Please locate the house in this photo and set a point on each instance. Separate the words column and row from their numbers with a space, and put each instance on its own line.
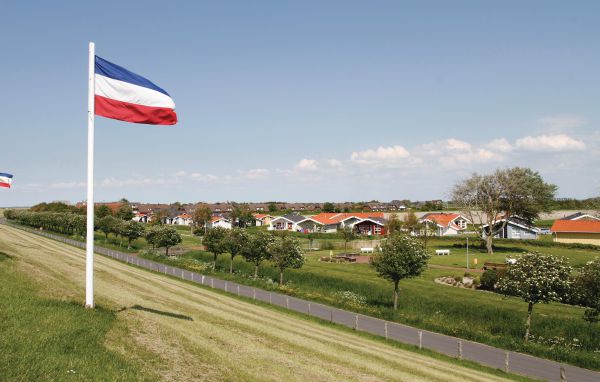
column 576, row 231
column 182, row 219
column 515, row 228
column 287, row 222
column 333, row 221
column 141, row 217
column 371, row 226
column 262, row 219
column 218, row 221
column 447, row 223
column 580, row 216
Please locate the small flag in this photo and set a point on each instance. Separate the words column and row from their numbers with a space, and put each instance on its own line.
column 5, row 180
column 126, row 96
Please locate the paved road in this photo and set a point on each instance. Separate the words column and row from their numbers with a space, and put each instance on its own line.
column 486, row 355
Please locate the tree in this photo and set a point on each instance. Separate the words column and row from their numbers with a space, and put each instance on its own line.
column 426, row 231
column 159, row 217
column 241, row 215
column 235, row 242
column 214, row 241
column 125, row 212
column 152, row 235
column 132, row 230
column 102, row 211
column 202, row 215
column 494, row 198
column 536, row 278
column 587, row 290
column 117, row 230
column 411, row 222
column 285, row 253
column 401, row 257
column 256, row 249
column 328, row 207
column 348, row 235
column 167, row 237
column 107, row 224
column 272, row 207
column 394, row 224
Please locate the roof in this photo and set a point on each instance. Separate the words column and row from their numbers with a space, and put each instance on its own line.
column 378, row 221
column 336, row 217
column 579, row 216
column 516, row 221
column 215, row 219
column 291, row 217
column 443, row 219
column 260, row 216
column 580, row 226
column 184, row 216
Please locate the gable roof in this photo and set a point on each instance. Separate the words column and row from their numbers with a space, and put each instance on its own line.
column 579, row 226
column 579, row 216
column 515, row 221
column 290, row 217
column 443, row 219
column 261, row 216
column 215, row 219
column 337, row 217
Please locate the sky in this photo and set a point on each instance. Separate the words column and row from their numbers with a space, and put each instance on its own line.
column 303, row 100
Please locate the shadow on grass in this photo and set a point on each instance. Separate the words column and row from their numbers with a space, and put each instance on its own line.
column 5, row 256
column 162, row 313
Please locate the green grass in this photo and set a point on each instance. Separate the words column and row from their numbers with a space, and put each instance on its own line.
column 476, row 315
column 45, row 339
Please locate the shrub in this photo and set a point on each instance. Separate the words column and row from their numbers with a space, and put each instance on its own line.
column 326, row 245
column 490, row 278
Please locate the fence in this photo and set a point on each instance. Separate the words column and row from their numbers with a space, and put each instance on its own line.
column 508, row 361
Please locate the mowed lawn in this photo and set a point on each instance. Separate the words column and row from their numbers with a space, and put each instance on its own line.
column 151, row 326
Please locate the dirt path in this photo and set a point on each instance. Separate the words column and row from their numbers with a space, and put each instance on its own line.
column 196, row 334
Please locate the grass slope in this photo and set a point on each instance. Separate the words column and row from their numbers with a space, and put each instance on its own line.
column 190, row 333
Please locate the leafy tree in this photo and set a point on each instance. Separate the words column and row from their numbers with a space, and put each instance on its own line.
column 328, row 207
column 256, row 249
column 536, row 278
column 587, row 290
column 117, row 230
column 507, row 192
column 125, row 212
column 214, row 241
column 235, row 242
column 158, row 217
column 106, row 225
column 152, row 235
column 132, row 230
column 202, row 215
column 426, row 231
column 401, row 257
column 348, row 235
column 272, row 207
column 411, row 222
column 102, row 211
column 167, row 237
column 394, row 224
column 241, row 215
column 285, row 253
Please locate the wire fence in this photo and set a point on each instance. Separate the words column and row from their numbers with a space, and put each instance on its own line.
column 508, row 361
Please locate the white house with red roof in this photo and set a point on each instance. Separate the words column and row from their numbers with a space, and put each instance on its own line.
column 328, row 222
column 446, row 223
column 262, row 219
column 218, row 221
column 182, row 219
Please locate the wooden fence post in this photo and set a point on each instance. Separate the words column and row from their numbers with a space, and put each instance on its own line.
column 563, row 374
column 254, row 293
column 506, row 360
column 287, row 302
column 460, row 352
column 420, row 339
column 385, row 328
column 356, row 322
column 238, row 290
column 309, row 308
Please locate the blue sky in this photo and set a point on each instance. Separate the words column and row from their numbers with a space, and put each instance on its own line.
column 305, row 100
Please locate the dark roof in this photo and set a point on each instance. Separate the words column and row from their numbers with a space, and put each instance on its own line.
column 576, row 215
column 293, row 217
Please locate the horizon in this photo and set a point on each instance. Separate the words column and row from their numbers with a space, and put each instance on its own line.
column 347, row 101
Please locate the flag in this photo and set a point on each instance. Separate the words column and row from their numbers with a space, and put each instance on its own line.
column 5, row 180
column 126, row 96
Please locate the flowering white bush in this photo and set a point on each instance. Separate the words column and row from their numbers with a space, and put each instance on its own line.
column 537, row 278
column 350, row 298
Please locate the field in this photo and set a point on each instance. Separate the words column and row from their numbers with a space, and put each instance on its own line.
column 151, row 326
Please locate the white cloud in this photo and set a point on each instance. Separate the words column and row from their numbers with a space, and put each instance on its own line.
column 307, row 165
column 257, row 173
column 562, row 122
column 499, row 145
column 203, row 177
column 334, row 163
column 69, row 185
column 550, row 143
column 381, row 155
column 179, row 174
column 456, row 145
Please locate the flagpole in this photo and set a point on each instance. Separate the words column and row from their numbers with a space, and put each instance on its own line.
column 89, row 246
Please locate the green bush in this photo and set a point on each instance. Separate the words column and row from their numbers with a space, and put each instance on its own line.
column 326, row 245
column 490, row 278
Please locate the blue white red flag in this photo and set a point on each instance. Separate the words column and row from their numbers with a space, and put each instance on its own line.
column 5, row 180
column 126, row 96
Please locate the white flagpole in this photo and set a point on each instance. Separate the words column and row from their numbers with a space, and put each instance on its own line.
column 89, row 246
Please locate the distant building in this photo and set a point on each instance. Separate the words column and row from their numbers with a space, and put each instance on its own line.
column 446, row 223
column 580, row 216
column 576, row 231
column 515, row 228
column 218, row 221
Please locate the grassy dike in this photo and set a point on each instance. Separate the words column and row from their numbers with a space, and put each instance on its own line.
column 45, row 339
column 185, row 332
